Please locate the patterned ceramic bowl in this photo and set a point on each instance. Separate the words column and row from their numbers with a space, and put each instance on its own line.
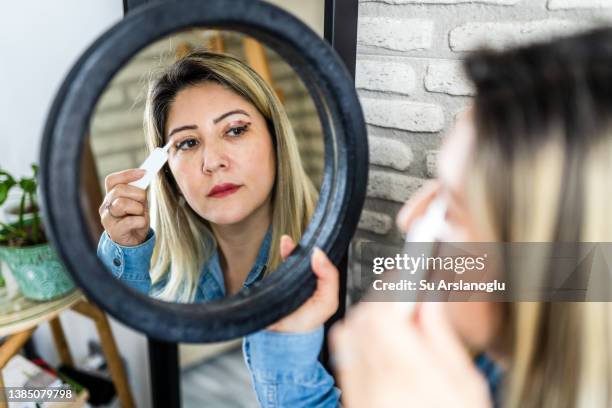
column 38, row 271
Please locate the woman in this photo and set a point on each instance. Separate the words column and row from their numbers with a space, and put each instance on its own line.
column 233, row 184
column 532, row 162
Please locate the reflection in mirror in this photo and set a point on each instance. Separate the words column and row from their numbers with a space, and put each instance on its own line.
column 244, row 166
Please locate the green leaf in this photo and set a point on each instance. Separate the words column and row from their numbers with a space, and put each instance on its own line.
column 5, row 175
column 28, row 185
column 35, row 169
column 6, row 183
column 4, row 189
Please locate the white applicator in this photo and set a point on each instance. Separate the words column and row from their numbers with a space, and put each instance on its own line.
column 426, row 231
column 152, row 165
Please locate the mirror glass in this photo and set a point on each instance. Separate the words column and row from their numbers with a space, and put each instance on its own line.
column 243, row 151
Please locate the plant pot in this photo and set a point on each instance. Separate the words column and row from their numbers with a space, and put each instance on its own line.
column 38, row 271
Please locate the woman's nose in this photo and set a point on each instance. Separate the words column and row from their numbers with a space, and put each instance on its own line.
column 214, row 159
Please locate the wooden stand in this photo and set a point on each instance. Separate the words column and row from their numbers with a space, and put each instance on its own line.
column 21, row 329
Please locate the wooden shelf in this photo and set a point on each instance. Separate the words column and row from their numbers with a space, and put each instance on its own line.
column 28, row 313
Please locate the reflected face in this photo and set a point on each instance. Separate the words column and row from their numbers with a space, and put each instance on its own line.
column 222, row 156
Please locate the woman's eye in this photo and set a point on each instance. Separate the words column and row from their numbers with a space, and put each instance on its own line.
column 186, row 144
column 237, row 130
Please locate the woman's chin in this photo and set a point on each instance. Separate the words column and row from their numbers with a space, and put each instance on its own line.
column 225, row 217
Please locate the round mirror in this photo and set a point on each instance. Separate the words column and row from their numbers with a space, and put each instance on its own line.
column 256, row 130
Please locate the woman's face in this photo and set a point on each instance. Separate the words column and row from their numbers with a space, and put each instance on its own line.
column 222, row 156
column 477, row 323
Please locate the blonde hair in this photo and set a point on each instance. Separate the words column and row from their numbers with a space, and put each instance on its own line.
column 184, row 240
column 541, row 172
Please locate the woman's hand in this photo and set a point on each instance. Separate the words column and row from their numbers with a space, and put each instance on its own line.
column 124, row 212
column 324, row 301
column 385, row 358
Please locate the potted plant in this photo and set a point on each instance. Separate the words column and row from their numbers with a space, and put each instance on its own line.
column 23, row 243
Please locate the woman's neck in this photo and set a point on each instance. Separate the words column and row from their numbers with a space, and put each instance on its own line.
column 239, row 245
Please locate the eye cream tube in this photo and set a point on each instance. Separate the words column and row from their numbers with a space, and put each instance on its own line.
column 427, row 230
column 152, row 165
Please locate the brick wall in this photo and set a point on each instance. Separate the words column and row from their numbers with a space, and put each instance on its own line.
column 411, row 85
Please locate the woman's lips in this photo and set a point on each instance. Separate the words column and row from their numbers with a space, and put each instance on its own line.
column 223, row 190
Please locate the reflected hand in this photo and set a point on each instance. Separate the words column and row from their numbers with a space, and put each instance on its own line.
column 384, row 358
column 124, row 212
column 324, row 301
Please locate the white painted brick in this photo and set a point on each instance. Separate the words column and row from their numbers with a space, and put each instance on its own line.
column 112, row 98
column 395, row 34
column 493, row 2
column 431, row 162
column 298, row 104
column 574, row 4
column 138, row 70
column 137, row 92
column 312, row 149
column 448, row 77
column 375, row 222
column 160, row 49
column 119, row 141
column 392, row 186
column 308, row 124
column 385, row 76
column 389, row 153
column 402, row 114
column 117, row 120
column 116, row 162
column 139, row 156
column 471, row 36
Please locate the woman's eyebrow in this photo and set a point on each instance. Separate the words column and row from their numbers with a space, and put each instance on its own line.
column 178, row 129
column 226, row 114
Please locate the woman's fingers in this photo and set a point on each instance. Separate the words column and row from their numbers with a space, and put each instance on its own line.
column 125, row 206
column 323, row 302
column 123, row 196
column 131, row 192
column 348, row 364
column 376, row 352
column 122, row 177
column 440, row 335
column 328, row 280
column 124, row 213
column 416, row 206
column 384, row 357
column 286, row 246
column 133, row 222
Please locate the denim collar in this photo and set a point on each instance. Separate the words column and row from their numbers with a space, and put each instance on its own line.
column 215, row 288
column 494, row 375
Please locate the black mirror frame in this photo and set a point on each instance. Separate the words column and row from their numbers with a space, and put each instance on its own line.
column 342, row 192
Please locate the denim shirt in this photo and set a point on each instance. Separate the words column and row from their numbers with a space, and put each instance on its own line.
column 284, row 367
